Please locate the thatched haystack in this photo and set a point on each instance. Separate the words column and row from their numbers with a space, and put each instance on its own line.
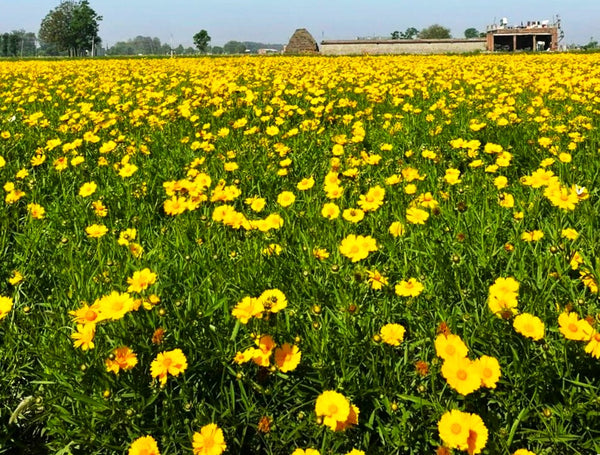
column 302, row 42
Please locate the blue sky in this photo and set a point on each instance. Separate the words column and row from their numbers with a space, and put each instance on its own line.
column 271, row 21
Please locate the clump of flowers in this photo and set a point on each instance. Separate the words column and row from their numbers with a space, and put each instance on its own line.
column 461, row 373
column 270, row 301
column 287, row 357
column 357, row 247
column 503, row 297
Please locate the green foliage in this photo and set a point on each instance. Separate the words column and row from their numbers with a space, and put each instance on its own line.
column 471, row 33
column 234, row 47
column 409, row 33
column 201, row 40
column 435, row 31
column 164, row 115
column 72, row 26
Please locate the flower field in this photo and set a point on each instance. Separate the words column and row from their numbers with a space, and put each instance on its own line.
column 300, row 255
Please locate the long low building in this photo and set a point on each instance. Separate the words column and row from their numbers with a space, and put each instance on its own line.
column 418, row 46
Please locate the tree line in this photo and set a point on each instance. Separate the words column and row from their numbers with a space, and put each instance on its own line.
column 435, row 31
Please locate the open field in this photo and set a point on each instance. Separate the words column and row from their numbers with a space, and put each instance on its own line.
column 309, row 253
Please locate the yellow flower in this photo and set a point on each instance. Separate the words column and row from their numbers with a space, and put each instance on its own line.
column 593, row 346
column 15, row 278
column 84, row 337
column 489, row 371
column 569, row 233
column 353, row 215
column 96, row 230
column 168, row 362
column 273, row 300
column 127, row 236
column 461, row 374
column 257, row 204
column 330, row 211
column 122, row 358
column 306, row 184
column 141, row 280
column 306, row 452
column 145, row 445
column 320, row 253
column 37, row 211
column 209, row 441
column 6, row 304
column 266, row 345
column 247, row 308
column 574, row 328
column 523, row 452
column 452, row 176
column 448, row 346
column 286, row 198
column 409, row 288
column 99, row 208
column 392, row 334
column 175, row 205
column 454, row 429
column 416, row 216
column 357, row 247
column 396, row 229
column 529, row 326
column 87, row 189
column 532, row 236
column 376, row 279
column 115, row 305
column 272, row 249
column 287, row 357
column 333, row 407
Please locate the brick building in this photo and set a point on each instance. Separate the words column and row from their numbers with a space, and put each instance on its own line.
column 532, row 36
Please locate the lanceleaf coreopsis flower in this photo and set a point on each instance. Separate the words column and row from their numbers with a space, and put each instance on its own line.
column 306, row 452
column 168, row 362
column 122, row 358
column 392, row 334
column 287, row 357
column 409, row 288
column 141, row 280
column 357, row 247
column 503, row 297
column 145, row 445
column 529, row 326
column 336, row 410
column 6, row 304
column 574, row 328
column 209, row 440
column 463, row 431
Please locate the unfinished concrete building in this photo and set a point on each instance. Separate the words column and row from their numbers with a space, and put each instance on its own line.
column 532, row 36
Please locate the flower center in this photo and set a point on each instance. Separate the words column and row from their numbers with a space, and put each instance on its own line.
column 461, row 374
column 456, row 428
column 573, row 327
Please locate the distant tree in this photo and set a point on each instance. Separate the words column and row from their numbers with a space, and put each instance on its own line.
column 216, row 50
column 592, row 44
column 435, row 31
column 201, row 40
column 72, row 26
column 409, row 33
column 234, row 47
column 471, row 33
